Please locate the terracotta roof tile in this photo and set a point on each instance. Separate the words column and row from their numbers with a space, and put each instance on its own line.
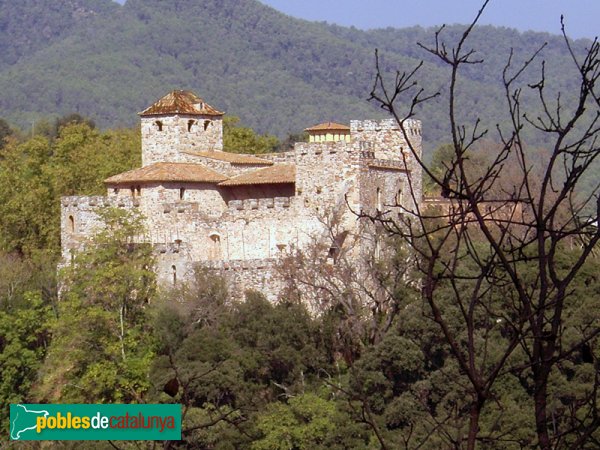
column 233, row 158
column 181, row 102
column 278, row 174
column 329, row 126
column 168, row 172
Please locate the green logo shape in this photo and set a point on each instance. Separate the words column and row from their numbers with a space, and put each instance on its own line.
column 95, row 422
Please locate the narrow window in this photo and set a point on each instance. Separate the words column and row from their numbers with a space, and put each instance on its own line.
column 190, row 125
column 181, row 193
column 139, row 191
column 115, row 191
column 159, row 125
column 399, row 197
column 379, row 200
column 206, row 124
column 132, row 189
column 174, row 274
column 71, row 224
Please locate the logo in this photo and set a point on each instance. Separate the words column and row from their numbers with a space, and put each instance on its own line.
column 95, row 422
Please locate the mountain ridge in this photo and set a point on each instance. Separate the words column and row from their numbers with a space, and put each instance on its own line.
column 278, row 73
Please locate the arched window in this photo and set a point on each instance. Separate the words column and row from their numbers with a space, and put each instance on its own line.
column 190, row 124
column 399, row 197
column 174, row 269
column 71, row 224
column 159, row 125
column 181, row 193
column 215, row 246
column 206, row 124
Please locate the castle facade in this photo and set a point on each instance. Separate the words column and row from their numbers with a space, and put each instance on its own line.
column 239, row 214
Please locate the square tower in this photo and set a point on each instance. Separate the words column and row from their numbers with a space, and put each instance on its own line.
column 177, row 123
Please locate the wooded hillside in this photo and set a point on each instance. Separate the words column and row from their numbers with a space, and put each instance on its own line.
column 279, row 74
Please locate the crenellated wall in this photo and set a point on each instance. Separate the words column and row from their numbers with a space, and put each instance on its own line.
column 240, row 232
column 79, row 219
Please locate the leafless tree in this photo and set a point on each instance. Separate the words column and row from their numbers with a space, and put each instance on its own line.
column 500, row 248
column 340, row 271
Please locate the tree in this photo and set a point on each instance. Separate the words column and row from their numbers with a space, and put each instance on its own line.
column 24, row 337
column 225, row 362
column 34, row 175
column 5, row 132
column 101, row 346
column 501, row 249
column 239, row 139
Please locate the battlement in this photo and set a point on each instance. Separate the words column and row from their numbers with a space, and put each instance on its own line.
column 240, row 264
column 260, row 204
column 413, row 127
column 190, row 221
column 304, row 149
column 180, row 207
column 243, row 275
column 385, row 164
column 91, row 203
column 283, row 157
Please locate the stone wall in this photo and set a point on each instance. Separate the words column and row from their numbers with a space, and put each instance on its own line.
column 79, row 220
column 257, row 275
column 166, row 138
column 240, row 232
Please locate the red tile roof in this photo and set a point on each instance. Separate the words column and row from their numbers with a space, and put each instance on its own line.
column 193, row 173
column 233, row 158
column 181, row 102
column 329, row 126
column 277, row 174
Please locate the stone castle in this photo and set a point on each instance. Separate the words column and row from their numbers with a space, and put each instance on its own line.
column 240, row 214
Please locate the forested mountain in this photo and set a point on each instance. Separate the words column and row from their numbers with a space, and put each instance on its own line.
column 279, row 74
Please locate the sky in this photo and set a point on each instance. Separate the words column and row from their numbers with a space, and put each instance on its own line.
column 582, row 17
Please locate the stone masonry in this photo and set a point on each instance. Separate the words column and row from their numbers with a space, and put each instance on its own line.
column 238, row 215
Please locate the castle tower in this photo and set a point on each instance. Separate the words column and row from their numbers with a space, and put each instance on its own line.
column 328, row 132
column 177, row 123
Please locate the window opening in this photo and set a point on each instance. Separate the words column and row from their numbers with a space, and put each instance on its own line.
column 190, row 124
column 159, row 125
column 181, row 193
column 71, row 224
column 174, row 274
column 206, row 124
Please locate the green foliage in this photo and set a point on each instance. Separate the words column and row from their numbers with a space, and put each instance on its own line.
column 5, row 132
column 28, row 204
column 24, row 335
column 35, row 173
column 116, row 61
column 101, row 348
column 305, row 422
column 238, row 139
column 225, row 368
column 84, row 157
